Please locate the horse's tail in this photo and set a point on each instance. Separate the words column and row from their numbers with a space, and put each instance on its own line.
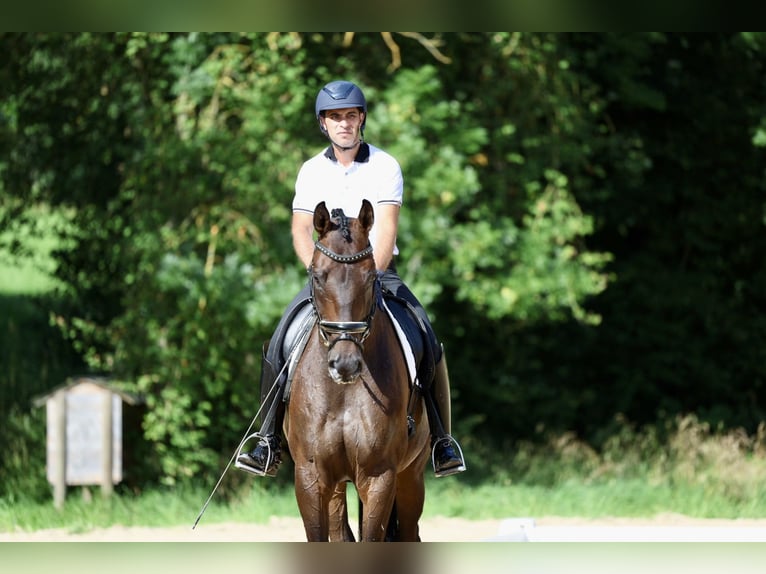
column 392, row 530
column 361, row 515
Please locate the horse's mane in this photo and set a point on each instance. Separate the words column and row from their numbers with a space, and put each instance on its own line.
column 342, row 222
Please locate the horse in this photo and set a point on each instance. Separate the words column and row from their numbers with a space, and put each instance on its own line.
column 346, row 420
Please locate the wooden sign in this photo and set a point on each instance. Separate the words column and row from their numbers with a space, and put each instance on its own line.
column 84, row 435
column 92, row 416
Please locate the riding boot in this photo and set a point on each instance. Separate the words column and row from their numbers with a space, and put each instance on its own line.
column 447, row 456
column 265, row 458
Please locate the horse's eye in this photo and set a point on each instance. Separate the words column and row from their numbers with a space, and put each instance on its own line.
column 319, row 276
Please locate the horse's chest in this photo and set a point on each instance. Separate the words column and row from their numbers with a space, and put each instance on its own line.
column 358, row 424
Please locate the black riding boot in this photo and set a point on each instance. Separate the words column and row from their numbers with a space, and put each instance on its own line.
column 446, row 455
column 265, row 458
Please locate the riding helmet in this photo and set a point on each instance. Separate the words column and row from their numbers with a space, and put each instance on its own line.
column 337, row 95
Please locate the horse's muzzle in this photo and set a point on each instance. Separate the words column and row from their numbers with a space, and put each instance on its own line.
column 337, row 378
column 344, row 376
column 344, row 367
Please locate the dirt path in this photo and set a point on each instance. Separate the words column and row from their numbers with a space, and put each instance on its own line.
column 280, row 529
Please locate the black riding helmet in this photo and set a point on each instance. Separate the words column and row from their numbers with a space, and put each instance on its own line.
column 337, row 95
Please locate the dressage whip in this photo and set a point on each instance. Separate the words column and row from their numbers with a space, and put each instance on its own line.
column 241, row 444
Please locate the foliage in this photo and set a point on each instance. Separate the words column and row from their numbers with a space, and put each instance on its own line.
column 23, row 467
column 583, row 216
column 34, row 358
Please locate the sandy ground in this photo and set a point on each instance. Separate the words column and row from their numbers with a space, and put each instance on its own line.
column 281, row 529
column 260, row 549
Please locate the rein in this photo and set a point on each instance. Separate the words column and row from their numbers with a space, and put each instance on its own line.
column 354, row 331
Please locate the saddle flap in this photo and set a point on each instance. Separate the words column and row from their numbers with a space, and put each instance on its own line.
column 296, row 337
column 408, row 332
column 304, row 319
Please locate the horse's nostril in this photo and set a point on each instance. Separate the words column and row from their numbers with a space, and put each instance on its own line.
column 344, row 368
column 353, row 366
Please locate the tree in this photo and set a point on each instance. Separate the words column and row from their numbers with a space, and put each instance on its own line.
column 545, row 179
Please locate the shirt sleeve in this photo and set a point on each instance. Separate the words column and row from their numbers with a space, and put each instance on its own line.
column 392, row 181
column 305, row 195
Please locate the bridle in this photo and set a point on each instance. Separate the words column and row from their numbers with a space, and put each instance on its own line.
column 354, row 331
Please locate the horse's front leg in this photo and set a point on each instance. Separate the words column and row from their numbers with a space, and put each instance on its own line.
column 377, row 495
column 410, row 498
column 313, row 502
column 340, row 530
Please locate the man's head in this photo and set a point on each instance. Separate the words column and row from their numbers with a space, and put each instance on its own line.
column 340, row 109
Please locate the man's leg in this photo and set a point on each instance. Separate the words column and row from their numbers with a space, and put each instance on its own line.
column 447, row 456
column 446, row 453
column 265, row 458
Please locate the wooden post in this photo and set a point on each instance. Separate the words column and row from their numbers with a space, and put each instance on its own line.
column 59, row 430
column 107, row 483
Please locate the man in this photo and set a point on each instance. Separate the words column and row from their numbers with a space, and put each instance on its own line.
column 346, row 172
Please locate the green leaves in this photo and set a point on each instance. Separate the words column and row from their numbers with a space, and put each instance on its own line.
column 532, row 272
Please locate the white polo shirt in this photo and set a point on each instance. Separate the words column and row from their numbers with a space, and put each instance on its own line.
column 375, row 175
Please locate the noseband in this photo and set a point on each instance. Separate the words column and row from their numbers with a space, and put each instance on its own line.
column 354, row 331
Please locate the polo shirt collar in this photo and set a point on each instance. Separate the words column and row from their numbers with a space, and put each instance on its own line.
column 362, row 154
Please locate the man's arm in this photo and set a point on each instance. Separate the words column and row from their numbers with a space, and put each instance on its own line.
column 303, row 236
column 386, row 225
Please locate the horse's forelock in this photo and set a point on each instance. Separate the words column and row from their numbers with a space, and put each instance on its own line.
column 341, row 220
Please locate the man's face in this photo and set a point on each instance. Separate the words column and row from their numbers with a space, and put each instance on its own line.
column 343, row 125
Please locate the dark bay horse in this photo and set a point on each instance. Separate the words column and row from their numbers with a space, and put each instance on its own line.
column 346, row 420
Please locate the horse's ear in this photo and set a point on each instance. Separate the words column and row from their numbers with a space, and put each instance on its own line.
column 321, row 218
column 366, row 215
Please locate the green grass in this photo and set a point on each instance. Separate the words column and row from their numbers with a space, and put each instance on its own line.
column 694, row 472
column 453, row 497
column 155, row 508
column 624, row 498
column 633, row 498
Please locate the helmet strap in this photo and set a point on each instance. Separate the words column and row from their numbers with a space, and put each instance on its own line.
column 345, row 148
column 358, row 142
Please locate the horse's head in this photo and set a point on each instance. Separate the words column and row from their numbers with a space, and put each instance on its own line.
column 342, row 283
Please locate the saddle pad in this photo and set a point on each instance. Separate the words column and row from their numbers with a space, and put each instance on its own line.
column 408, row 333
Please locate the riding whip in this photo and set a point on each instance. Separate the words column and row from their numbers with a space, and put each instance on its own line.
column 246, row 436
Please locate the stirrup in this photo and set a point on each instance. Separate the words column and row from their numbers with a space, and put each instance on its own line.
column 454, row 469
column 270, row 457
